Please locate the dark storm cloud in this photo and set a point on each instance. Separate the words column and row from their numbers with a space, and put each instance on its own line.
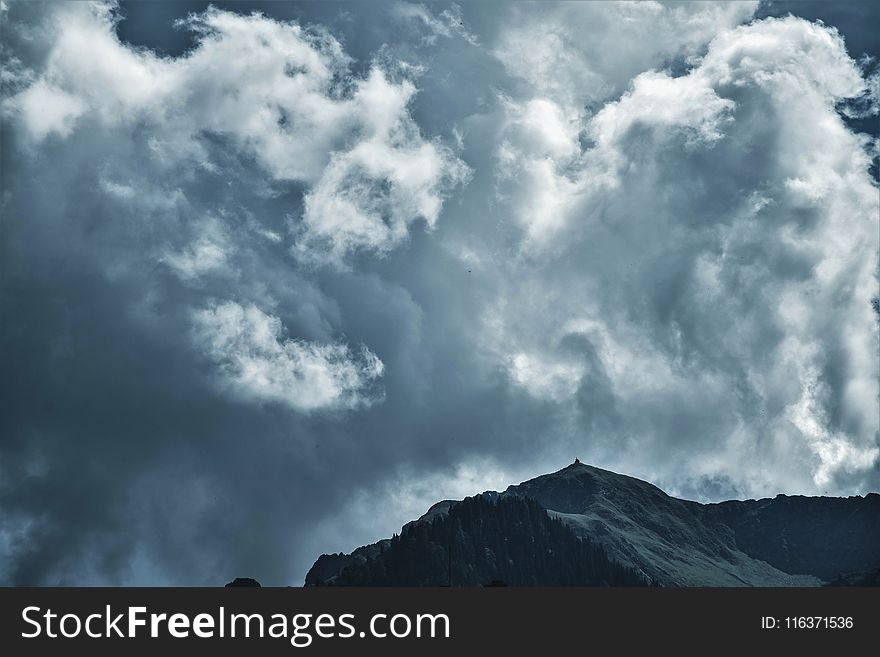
column 270, row 291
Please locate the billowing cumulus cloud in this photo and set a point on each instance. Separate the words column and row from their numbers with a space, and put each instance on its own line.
column 252, row 354
column 281, row 93
column 706, row 260
column 367, row 196
column 576, row 55
column 272, row 283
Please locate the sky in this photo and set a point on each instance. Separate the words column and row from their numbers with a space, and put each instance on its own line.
column 275, row 277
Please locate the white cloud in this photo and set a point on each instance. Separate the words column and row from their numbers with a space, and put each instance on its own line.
column 49, row 110
column 368, row 196
column 541, row 128
column 207, row 253
column 578, row 54
column 835, row 450
column 721, row 225
column 258, row 362
column 447, row 23
column 784, row 54
column 539, row 147
column 663, row 104
column 557, row 379
column 574, row 53
column 279, row 93
column 546, row 175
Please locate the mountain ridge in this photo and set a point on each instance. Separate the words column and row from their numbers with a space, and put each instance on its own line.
column 667, row 541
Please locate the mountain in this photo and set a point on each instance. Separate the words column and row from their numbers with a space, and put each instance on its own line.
column 524, row 536
column 482, row 540
column 825, row 536
column 243, row 581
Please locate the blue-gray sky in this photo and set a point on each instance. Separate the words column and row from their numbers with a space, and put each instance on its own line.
column 274, row 277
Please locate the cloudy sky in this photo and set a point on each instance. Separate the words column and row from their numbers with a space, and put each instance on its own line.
column 276, row 277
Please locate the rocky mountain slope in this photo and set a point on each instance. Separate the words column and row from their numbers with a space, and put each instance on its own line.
column 484, row 540
column 662, row 540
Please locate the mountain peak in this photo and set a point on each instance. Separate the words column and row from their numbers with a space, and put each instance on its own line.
column 578, row 485
column 675, row 542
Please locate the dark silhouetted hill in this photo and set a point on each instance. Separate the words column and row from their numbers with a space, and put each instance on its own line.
column 524, row 535
column 486, row 541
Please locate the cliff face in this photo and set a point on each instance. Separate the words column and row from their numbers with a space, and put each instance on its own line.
column 828, row 537
column 786, row 541
column 480, row 541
